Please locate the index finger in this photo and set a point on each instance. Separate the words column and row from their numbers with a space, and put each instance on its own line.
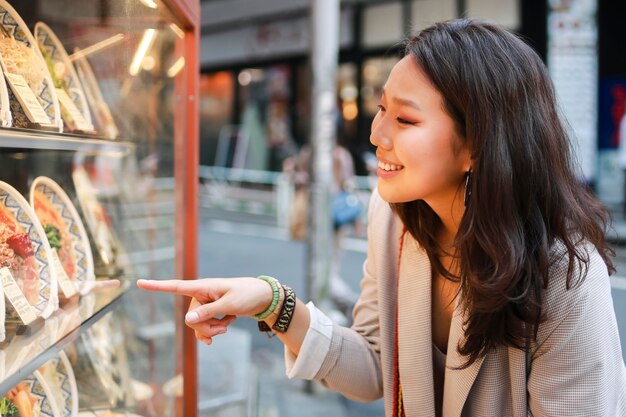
column 190, row 288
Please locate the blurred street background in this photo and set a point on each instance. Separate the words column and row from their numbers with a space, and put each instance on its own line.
column 242, row 372
column 243, row 245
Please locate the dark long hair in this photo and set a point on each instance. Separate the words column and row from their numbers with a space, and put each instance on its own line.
column 526, row 197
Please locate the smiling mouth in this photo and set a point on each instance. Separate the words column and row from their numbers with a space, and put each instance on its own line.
column 389, row 167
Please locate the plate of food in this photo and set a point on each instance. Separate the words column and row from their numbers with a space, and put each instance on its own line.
column 96, row 219
column 65, row 232
column 26, row 254
column 72, row 100
column 102, row 117
column 59, row 376
column 30, row 398
column 22, row 64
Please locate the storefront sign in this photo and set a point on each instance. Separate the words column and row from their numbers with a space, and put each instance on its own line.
column 573, row 65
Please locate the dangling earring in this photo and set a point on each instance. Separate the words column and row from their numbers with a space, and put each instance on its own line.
column 468, row 187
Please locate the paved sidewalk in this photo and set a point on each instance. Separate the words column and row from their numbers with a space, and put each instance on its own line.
column 236, row 381
column 242, row 374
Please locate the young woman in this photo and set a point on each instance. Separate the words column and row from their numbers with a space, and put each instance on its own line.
column 486, row 287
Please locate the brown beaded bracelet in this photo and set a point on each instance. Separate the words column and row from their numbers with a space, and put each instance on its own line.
column 286, row 311
column 284, row 317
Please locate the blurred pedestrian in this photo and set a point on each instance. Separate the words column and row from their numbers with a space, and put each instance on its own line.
column 486, row 286
column 345, row 209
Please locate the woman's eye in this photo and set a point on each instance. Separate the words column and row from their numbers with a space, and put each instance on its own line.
column 404, row 121
column 380, row 107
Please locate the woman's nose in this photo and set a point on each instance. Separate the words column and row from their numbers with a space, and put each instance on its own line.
column 379, row 136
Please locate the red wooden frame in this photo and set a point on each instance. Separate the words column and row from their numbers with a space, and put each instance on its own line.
column 186, row 161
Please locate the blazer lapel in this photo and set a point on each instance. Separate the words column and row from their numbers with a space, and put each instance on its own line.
column 458, row 382
column 414, row 330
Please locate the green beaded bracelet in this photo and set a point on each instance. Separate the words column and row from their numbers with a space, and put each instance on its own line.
column 276, row 296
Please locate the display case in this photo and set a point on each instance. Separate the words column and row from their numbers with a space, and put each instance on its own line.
column 98, row 188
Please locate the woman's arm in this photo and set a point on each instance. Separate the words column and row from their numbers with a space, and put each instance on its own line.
column 217, row 301
column 346, row 360
column 297, row 330
column 349, row 362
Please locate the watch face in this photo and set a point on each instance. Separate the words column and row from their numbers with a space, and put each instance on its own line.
column 64, row 230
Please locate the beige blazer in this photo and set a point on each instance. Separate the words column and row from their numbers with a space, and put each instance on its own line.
column 576, row 365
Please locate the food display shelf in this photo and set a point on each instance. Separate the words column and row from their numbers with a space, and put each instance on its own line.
column 34, row 345
column 37, row 139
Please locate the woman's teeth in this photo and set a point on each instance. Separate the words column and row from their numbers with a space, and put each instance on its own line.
column 389, row 167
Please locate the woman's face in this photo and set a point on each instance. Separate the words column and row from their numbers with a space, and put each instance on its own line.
column 420, row 154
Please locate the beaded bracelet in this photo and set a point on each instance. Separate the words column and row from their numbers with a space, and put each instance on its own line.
column 273, row 282
column 287, row 310
column 286, row 314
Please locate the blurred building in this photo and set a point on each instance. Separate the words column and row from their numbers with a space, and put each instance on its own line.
column 255, row 85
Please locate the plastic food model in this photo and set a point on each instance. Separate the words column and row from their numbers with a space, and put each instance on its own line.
column 28, row 277
column 17, row 254
column 73, row 104
column 59, row 376
column 19, row 402
column 66, row 235
column 20, row 59
column 30, row 398
column 32, row 98
column 56, row 232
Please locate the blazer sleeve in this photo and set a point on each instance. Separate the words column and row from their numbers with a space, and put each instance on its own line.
column 351, row 365
column 577, row 368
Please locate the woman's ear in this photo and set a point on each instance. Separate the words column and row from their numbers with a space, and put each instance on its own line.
column 467, row 161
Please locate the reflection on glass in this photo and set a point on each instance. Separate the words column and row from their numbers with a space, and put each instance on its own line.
column 25, row 344
column 128, row 57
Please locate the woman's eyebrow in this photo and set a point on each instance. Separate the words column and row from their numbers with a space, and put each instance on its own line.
column 407, row 102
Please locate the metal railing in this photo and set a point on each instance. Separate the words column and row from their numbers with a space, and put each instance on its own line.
column 256, row 192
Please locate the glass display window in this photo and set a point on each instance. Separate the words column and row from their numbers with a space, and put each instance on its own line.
column 98, row 132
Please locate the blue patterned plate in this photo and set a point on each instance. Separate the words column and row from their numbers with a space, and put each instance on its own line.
column 40, row 390
column 32, row 396
column 18, row 214
column 52, row 49
column 59, row 376
column 53, row 206
column 44, row 90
